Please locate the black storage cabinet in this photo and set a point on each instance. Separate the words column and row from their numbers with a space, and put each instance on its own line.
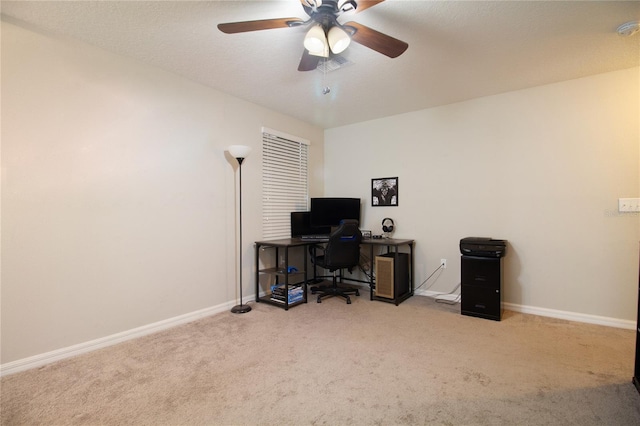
column 481, row 277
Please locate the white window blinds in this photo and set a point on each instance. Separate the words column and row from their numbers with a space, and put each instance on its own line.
column 284, row 181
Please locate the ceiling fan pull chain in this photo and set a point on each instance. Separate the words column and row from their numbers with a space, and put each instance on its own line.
column 325, row 89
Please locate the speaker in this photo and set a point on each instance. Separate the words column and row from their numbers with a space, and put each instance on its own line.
column 387, row 227
column 392, row 275
column 481, row 287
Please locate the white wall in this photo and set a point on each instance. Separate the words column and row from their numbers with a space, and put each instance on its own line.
column 542, row 168
column 117, row 196
column 118, row 200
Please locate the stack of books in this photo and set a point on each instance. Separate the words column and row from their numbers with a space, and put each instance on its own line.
column 278, row 293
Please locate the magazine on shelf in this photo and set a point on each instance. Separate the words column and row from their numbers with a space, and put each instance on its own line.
column 278, row 293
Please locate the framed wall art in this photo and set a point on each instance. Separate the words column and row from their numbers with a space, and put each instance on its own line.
column 384, row 191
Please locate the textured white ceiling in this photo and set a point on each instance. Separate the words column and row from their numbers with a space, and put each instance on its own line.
column 458, row 50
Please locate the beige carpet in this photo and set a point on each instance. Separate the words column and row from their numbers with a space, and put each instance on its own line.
column 367, row 363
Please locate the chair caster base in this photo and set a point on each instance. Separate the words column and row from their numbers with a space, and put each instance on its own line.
column 325, row 291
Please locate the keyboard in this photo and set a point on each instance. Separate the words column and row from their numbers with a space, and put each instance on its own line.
column 316, row 237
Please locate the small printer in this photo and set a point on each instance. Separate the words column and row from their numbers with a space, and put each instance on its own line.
column 483, row 247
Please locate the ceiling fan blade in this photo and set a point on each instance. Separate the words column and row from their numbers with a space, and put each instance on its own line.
column 308, row 62
column 308, row 6
column 366, row 4
column 382, row 43
column 263, row 24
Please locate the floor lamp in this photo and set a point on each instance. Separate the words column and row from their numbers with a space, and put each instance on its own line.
column 240, row 152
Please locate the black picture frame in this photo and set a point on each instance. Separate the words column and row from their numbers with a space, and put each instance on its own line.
column 384, row 192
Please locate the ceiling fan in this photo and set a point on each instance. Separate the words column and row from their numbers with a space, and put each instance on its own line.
column 326, row 35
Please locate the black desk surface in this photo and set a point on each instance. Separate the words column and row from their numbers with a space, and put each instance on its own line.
column 292, row 242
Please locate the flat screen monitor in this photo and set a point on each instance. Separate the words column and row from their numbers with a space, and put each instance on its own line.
column 301, row 225
column 330, row 211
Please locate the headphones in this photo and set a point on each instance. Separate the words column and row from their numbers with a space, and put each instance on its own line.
column 385, row 227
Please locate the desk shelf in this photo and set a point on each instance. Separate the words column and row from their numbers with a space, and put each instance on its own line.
column 267, row 299
column 279, row 272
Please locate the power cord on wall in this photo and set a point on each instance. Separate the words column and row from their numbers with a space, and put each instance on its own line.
column 432, row 274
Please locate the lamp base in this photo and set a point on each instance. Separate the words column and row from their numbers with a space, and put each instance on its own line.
column 241, row 309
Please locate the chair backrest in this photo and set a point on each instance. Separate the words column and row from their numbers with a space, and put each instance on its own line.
column 343, row 248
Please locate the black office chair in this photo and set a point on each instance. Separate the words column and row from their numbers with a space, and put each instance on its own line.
column 342, row 251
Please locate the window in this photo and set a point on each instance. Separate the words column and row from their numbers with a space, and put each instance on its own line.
column 284, row 181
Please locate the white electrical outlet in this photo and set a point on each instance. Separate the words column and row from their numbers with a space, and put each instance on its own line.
column 628, row 205
column 443, row 263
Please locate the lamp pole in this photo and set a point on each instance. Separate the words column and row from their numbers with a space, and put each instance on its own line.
column 240, row 152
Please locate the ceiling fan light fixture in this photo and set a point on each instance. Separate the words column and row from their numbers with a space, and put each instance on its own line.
column 338, row 39
column 315, row 40
column 324, row 52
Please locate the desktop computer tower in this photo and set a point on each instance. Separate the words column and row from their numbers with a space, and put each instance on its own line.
column 392, row 275
column 481, row 287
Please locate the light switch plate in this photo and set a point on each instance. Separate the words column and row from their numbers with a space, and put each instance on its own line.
column 628, row 205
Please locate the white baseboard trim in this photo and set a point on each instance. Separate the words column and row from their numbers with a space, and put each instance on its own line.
column 81, row 348
column 103, row 342
column 571, row 316
column 544, row 312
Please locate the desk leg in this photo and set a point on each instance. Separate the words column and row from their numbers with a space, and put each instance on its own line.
column 315, row 270
column 411, row 283
column 257, row 273
column 286, row 278
column 304, row 288
column 372, row 284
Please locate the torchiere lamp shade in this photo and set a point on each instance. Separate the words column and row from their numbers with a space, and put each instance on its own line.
column 239, row 151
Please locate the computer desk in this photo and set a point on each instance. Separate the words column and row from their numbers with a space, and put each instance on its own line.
column 391, row 244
